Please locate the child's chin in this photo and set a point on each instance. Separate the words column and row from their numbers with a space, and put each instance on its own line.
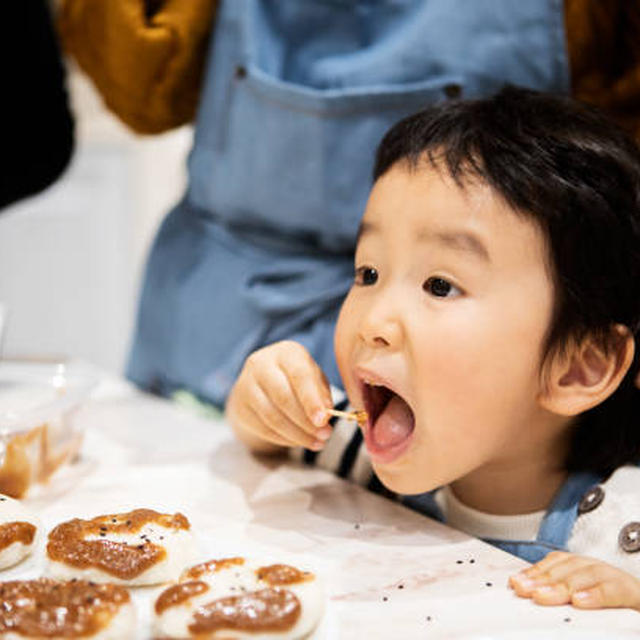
column 399, row 481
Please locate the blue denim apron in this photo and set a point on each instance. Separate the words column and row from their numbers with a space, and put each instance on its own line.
column 296, row 97
column 556, row 527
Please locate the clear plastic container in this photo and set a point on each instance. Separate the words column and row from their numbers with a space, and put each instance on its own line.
column 38, row 432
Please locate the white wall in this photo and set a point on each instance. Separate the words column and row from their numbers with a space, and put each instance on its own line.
column 71, row 258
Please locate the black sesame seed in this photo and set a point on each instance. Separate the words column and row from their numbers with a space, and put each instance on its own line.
column 140, row 546
column 458, row 561
column 384, row 598
column 128, row 523
column 400, row 586
column 567, row 619
column 356, row 526
column 489, row 584
column 103, row 534
column 113, row 520
column 428, row 618
column 472, row 561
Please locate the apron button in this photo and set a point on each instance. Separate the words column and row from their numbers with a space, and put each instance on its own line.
column 591, row 499
column 629, row 538
column 240, row 72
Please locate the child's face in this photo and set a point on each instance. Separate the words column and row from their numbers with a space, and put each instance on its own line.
column 449, row 310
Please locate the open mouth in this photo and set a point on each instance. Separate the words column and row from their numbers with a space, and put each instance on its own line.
column 391, row 421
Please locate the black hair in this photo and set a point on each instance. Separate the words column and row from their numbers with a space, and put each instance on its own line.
column 577, row 175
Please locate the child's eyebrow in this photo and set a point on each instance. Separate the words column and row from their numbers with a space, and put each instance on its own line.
column 363, row 229
column 459, row 240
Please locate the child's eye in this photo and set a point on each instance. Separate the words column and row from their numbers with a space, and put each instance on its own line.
column 366, row 276
column 440, row 288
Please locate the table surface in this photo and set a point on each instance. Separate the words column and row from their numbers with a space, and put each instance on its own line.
column 388, row 572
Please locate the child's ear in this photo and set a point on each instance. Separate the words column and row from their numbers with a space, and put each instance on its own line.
column 585, row 374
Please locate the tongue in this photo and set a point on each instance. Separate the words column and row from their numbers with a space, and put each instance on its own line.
column 394, row 424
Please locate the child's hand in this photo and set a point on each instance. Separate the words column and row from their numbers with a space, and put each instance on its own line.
column 586, row 583
column 280, row 399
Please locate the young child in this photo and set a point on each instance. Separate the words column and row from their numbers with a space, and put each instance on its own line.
column 489, row 335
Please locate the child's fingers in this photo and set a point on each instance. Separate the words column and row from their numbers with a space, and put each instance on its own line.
column 551, row 594
column 554, row 569
column 265, row 432
column 622, row 592
column 308, row 383
column 272, row 420
column 597, row 585
column 565, row 567
column 551, row 560
column 314, row 398
column 276, row 386
column 581, row 581
column 529, row 579
column 239, row 412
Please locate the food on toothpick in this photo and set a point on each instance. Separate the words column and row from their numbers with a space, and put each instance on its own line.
column 357, row 416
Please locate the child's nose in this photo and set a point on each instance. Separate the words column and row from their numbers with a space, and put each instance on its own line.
column 381, row 328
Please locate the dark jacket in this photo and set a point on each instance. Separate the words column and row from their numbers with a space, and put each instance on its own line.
column 37, row 126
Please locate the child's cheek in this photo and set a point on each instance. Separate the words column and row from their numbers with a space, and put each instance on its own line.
column 344, row 340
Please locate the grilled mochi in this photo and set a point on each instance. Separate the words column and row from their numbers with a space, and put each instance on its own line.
column 141, row 547
column 47, row 608
column 239, row 598
column 18, row 531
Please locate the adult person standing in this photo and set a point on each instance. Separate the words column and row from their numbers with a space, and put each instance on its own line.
column 295, row 96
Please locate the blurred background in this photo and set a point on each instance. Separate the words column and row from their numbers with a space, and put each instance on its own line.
column 71, row 258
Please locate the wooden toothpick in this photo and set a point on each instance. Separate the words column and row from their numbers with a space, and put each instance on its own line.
column 357, row 416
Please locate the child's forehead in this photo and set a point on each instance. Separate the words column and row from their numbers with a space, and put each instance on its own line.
column 426, row 201
column 427, row 193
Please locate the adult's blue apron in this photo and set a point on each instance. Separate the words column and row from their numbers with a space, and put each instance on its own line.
column 297, row 95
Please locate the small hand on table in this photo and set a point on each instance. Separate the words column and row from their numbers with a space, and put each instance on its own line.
column 585, row 583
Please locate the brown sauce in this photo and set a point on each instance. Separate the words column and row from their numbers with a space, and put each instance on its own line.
column 211, row 567
column 52, row 609
column 68, row 544
column 281, row 574
column 264, row 610
column 179, row 593
column 20, row 461
column 33, row 456
column 16, row 532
